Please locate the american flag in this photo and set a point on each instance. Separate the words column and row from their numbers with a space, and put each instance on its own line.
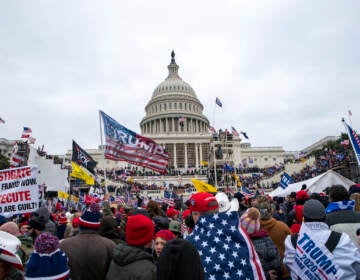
column 122, row 144
column 225, row 250
column 168, row 199
column 120, row 200
column 16, row 159
column 26, row 132
column 246, row 192
column 234, row 131
column 130, row 200
column 182, row 119
column 212, row 129
column 183, row 228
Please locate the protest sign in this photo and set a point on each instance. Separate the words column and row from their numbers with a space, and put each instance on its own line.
column 19, row 191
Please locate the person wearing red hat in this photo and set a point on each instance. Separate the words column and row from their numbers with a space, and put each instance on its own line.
column 133, row 260
column 161, row 237
column 202, row 204
column 172, row 213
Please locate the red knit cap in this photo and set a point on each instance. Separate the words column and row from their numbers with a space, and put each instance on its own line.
column 165, row 234
column 186, row 213
column 203, row 202
column 302, row 195
column 75, row 222
column 139, row 230
column 171, row 212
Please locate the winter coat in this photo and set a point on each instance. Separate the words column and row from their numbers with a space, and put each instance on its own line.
column 346, row 221
column 131, row 263
column 346, row 255
column 268, row 253
column 277, row 231
column 89, row 255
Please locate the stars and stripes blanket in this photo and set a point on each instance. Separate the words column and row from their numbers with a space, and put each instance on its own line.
column 225, row 249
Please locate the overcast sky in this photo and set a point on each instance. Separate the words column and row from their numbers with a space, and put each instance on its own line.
column 285, row 71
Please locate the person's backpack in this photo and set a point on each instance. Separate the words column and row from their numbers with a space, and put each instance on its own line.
column 330, row 244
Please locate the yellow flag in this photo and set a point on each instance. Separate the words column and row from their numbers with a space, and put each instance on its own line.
column 204, row 163
column 80, row 173
column 62, row 195
column 201, row 186
column 74, row 198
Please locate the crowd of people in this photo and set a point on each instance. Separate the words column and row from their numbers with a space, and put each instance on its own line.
column 206, row 237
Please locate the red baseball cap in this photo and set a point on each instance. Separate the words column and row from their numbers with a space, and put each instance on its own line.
column 203, row 202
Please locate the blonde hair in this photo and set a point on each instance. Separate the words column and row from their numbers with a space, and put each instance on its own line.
column 356, row 197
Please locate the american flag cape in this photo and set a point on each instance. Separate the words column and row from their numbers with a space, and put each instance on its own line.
column 122, row 144
column 225, row 250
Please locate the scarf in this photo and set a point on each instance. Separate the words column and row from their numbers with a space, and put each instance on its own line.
column 340, row 205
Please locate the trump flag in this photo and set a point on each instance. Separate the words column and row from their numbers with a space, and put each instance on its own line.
column 354, row 139
column 122, row 144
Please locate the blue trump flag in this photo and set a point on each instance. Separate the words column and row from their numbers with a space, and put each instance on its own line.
column 354, row 139
column 285, row 180
column 225, row 250
column 122, row 144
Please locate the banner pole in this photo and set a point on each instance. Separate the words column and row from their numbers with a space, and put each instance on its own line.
column 103, row 148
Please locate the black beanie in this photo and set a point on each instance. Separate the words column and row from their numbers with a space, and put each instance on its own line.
column 354, row 189
column 37, row 223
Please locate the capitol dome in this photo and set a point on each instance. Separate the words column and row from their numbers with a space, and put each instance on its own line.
column 174, row 108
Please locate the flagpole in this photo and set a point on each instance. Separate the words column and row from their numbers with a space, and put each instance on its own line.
column 215, row 175
column 350, row 114
column 102, row 147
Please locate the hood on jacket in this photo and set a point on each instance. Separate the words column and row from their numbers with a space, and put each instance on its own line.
column 268, row 224
column 124, row 254
column 260, row 234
